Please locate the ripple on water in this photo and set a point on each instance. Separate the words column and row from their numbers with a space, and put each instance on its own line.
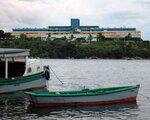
column 92, row 74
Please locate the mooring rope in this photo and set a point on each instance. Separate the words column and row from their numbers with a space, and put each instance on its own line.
column 56, row 76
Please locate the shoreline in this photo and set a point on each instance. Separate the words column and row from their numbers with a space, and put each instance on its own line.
column 93, row 58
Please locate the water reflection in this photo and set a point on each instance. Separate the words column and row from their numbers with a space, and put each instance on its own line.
column 13, row 108
column 113, row 111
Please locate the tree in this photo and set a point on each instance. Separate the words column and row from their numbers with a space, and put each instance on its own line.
column 100, row 37
column 65, row 38
column 7, row 35
column 79, row 40
column 49, row 36
column 71, row 36
column 128, row 37
column 1, row 34
column 23, row 36
column 90, row 38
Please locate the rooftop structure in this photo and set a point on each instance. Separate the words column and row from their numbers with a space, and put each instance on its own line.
column 11, row 52
column 75, row 24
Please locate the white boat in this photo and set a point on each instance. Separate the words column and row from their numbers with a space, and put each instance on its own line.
column 18, row 73
column 85, row 97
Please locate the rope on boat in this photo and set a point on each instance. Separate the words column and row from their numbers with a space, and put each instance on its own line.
column 147, row 97
column 56, row 76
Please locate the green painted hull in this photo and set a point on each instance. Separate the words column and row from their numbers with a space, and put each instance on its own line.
column 22, row 83
column 102, row 96
column 84, row 92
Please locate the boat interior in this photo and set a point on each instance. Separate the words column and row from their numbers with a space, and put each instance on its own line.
column 15, row 68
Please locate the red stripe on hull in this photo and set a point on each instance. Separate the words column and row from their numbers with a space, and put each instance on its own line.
column 36, row 88
column 127, row 100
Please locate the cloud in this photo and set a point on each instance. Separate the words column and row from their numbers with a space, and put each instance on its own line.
column 40, row 1
column 143, row 2
column 108, row 13
column 124, row 15
column 30, row 0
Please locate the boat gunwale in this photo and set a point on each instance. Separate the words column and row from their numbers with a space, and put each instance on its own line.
column 20, row 79
column 120, row 89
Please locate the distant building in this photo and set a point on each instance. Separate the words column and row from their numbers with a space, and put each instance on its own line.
column 75, row 24
column 76, row 31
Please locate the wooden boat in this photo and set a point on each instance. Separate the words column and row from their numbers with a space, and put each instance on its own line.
column 85, row 97
column 18, row 73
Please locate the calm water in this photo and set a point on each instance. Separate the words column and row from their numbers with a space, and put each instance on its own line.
column 77, row 74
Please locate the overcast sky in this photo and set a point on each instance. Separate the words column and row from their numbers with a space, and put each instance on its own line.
column 105, row 13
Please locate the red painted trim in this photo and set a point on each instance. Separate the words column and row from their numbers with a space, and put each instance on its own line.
column 126, row 100
column 30, row 89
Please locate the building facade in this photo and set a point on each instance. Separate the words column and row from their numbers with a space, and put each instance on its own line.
column 76, row 31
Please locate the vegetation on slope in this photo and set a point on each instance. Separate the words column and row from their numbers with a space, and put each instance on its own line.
column 116, row 49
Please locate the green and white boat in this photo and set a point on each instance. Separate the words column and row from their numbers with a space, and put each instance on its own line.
column 85, row 97
column 18, row 73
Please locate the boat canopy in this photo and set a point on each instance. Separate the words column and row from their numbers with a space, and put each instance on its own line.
column 10, row 52
column 13, row 62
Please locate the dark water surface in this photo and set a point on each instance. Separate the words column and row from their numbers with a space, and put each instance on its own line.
column 77, row 74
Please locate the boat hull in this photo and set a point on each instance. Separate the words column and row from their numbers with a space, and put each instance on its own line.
column 126, row 100
column 33, row 82
column 128, row 96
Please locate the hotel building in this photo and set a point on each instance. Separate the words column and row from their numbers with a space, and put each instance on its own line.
column 75, row 30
